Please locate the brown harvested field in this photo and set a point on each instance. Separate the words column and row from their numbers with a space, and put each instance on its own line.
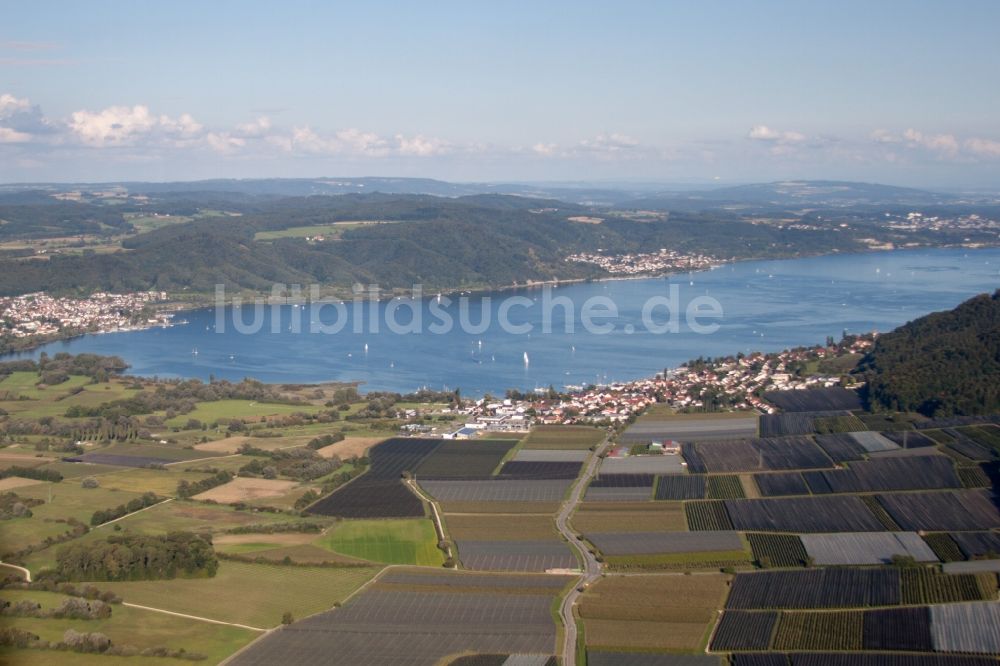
column 22, row 460
column 515, row 527
column 242, row 489
column 227, row 445
column 350, row 447
column 284, row 538
column 622, row 517
column 652, row 612
column 547, row 508
column 564, row 437
column 12, row 482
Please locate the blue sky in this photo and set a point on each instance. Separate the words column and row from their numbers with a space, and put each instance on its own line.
column 897, row 92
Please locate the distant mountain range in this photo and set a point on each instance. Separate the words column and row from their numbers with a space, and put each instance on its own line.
column 648, row 195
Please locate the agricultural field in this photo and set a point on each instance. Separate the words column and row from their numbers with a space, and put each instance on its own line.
column 523, row 469
column 781, row 484
column 245, row 490
column 784, row 424
column 887, row 474
column 691, row 427
column 690, row 550
column 423, row 617
column 651, row 612
column 833, row 399
column 564, row 437
column 386, row 541
column 607, row 517
column 495, row 527
column 520, row 556
column 744, row 630
column 498, row 490
column 380, row 492
column 621, row 487
column 936, row 512
column 777, row 550
column 464, row 458
column 755, row 455
column 815, row 588
column 645, row 464
column 550, row 455
column 841, row 513
column 680, row 487
column 838, row 630
column 370, row 498
column 865, row 548
column 255, row 595
column 350, row 447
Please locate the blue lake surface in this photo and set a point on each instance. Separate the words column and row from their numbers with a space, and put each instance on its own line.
column 766, row 305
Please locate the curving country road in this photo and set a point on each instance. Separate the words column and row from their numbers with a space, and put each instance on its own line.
column 591, row 567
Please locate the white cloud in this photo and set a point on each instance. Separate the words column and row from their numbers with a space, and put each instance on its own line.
column 8, row 135
column 765, row 133
column 983, row 147
column 184, row 125
column 884, row 136
column 943, row 143
column 113, row 125
column 224, row 142
column 10, row 105
column 421, row 146
column 258, row 128
column 545, row 149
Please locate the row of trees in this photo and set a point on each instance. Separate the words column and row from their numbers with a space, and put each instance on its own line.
column 102, row 516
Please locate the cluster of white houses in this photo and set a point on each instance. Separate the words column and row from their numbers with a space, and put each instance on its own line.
column 741, row 380
column 41, row 314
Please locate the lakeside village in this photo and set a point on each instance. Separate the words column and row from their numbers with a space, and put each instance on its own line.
column 41, row 315
column 646, row 264
column 736, row 383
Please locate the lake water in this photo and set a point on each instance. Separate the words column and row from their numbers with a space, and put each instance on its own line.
column 766, row 305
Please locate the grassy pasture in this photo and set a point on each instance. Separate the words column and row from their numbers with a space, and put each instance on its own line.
column 68, row 500
column 253, row 594
column 403, row 541
column 652, row 612
column 563, row 437
column 160, row 481
column 126, row 626
column 250, row 410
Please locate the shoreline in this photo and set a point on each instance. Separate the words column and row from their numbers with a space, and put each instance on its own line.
column 177, row 307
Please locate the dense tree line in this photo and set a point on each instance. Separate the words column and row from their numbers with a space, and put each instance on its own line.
column 187, row 488
column 299, row 464
column 102, row 516
column 138, row 557
column 63, row 364
column 32, row 473
column 944, row 364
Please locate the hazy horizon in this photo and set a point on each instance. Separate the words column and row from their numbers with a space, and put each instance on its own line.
column 895, row 93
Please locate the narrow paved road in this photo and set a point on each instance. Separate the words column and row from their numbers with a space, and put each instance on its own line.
column 591, row 567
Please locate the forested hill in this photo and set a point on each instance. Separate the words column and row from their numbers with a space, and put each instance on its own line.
column 947, row 363
column 392, row 240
